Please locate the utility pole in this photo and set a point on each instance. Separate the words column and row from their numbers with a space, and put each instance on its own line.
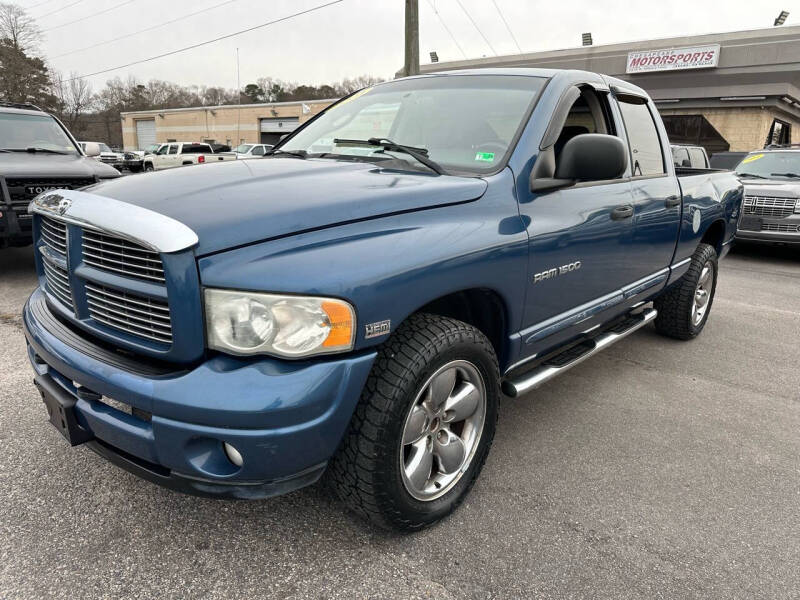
column 412, row 38
column 239, row 102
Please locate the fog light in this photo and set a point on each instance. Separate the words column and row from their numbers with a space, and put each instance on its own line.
column 233, row 454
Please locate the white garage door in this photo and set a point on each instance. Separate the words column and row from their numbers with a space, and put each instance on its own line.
column 145, row 133
column 284, row 125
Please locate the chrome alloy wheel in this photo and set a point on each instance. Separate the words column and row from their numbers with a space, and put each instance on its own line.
column 702, row 293
column 442, row 430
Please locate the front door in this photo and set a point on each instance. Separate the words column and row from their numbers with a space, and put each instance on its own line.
column 580, row 243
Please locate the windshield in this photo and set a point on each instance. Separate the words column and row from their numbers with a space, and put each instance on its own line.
column 466, row 123
column 104, row 148
column 243, row 149
column 770, row 165
column 22, row 131
column 152, row 148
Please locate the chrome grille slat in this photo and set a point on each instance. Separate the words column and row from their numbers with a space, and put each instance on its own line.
column 769, row 207
column 785, row 227
column 54, row 235
column 58, row 283
column 115, row 254
column 122, row 297
column 137, row 315
column 100, row 305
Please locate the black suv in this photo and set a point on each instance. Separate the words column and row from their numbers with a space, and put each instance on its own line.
column 37, row 153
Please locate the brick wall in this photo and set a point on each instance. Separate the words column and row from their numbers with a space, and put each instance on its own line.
column 218, row 124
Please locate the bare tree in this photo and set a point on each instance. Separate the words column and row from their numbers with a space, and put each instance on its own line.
column 75, row 99
column 18, row 28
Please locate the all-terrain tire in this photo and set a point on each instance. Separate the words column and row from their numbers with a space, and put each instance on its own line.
column 675, row 305
column 366, row 469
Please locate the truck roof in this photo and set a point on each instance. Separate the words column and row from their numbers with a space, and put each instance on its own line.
column 24, row 109
column 568, row 74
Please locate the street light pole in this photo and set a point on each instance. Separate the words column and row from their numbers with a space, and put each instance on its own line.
column 412, row 38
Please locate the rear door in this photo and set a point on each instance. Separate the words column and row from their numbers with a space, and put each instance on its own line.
column 654, row 188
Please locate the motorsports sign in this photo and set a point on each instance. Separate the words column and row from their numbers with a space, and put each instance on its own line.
column 673, row 59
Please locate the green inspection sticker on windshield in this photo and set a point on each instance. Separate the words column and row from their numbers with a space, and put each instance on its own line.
column 485, row 156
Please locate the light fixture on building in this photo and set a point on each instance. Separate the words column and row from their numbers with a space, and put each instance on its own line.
column 741, row 98
column 587, row 39
column 781, row 18
column 161, row 115
column 274, row 112
column 434, row 57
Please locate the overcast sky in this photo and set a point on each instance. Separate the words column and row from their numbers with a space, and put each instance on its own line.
column 352, row 37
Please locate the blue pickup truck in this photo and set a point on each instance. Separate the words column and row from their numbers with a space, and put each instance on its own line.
column 355, row 304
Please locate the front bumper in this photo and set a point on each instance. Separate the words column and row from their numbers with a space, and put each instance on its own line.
column 285, row 418
column 769, row 237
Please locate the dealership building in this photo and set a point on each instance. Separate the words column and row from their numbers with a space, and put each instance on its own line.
column 232, row 125
column 724, row 91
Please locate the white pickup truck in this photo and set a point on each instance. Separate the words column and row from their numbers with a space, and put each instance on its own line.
column 179, row 154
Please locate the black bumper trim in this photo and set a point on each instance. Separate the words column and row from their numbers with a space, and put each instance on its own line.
column 162, row 476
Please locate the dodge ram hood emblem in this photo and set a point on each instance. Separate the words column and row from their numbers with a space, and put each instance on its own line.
column 63, row 205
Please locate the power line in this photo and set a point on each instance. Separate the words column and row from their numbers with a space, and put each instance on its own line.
column 513, row 37
column 193, row 46
column 128, row 35
column 97, row 14
column 447, row 29
column 39, row 4
column 476, row 27
column 60, row 9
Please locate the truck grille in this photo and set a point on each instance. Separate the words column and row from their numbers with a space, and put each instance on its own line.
column 54, row 235
column 22, row 191
column 58, row 282
column 137, row 315
column 780, row 227
column 769, row 207
column 111, row 253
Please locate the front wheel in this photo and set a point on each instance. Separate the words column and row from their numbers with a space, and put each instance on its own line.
column 148, row 167
column 423, row 427
column 684, row 308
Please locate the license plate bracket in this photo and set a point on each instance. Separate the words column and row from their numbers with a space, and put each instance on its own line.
column 61, row 411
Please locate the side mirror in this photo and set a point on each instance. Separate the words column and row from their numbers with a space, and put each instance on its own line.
column 91, row 149
column 592, row 157
column 585, row 157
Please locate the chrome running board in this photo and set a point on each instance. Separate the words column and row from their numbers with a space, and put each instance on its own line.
column 547, row 370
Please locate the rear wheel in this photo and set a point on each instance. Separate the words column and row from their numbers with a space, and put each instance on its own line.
column 684, row 308
column 423, row 427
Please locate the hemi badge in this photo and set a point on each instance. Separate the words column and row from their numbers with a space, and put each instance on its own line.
column 377, row 329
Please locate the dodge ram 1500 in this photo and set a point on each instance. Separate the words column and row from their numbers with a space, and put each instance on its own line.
column 355, row 304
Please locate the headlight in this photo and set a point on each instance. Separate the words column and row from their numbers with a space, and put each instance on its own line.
column 797, row 206
column 247, row 323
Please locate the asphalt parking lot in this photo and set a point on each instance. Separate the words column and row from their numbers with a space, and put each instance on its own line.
column 659, row 469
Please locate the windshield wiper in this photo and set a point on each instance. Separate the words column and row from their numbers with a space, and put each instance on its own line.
column 752, row 175
column 793, row 175
column 33, row 149
column 297, row 153
column 419, row 154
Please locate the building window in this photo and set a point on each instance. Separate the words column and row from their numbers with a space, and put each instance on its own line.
column 780, row 133
column 694, row 130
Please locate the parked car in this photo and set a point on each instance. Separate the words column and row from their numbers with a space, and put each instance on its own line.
column 107, row 155
column 37, row 153
column 726, row 160
column 181, row 154
column 771, row 209
column 357, row 311
column 246, row 151
column 691, row 157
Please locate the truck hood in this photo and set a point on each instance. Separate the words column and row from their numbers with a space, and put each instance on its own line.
column 774, row 188
column 36, row 165
column 242, row 202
